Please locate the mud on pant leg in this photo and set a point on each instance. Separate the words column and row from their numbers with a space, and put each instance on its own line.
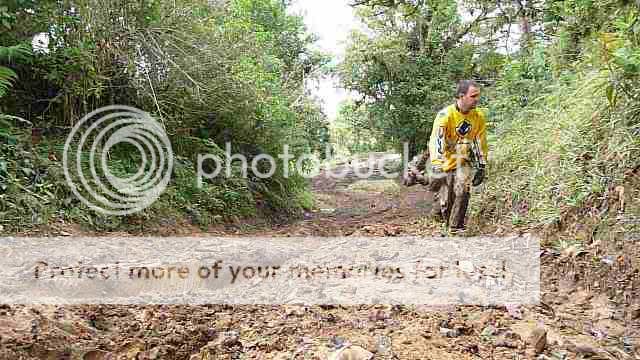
column 447, row 196
column 461, row 189
column 437, row 182
column 463, row 179
column 441, row 184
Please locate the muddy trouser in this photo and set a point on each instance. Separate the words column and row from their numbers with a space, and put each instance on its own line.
column 453, row 189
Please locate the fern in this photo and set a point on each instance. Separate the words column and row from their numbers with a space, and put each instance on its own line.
column 6, row 77
column 11, row 54
column 15, row 52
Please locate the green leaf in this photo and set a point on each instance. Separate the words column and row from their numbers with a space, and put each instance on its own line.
column 27, row 171
column 611, row 95
column 15, row 52
column 7, row 76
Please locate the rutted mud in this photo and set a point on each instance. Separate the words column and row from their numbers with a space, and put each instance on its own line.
column 589, row 308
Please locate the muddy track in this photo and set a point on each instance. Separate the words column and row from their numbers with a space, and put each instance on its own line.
column 581, row 317
column 363, row 200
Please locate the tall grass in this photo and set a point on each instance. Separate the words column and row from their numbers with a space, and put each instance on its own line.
column 562, row 153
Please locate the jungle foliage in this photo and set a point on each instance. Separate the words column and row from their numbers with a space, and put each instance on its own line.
column 212, row 72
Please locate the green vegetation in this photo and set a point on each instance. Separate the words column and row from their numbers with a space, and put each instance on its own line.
column 352, row 132
column 563, row 99
column 210, row 72
column 566, row 144
column 560, row 83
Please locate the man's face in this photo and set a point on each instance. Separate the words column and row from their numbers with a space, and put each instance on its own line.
column 470, row 100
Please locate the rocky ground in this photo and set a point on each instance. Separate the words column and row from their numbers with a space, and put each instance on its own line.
column 590, row 306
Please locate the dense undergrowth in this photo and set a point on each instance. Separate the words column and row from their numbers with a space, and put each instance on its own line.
column 566, row 154
column 213, row 73
column 563, row 94
column 34, row 192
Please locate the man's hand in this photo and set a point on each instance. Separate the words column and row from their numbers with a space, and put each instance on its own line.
column 414, row 176
column 478, row 178
column 409, row 178
column 420, row 177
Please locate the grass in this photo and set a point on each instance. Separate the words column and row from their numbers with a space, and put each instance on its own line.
column 306, row 199
column 555, row 163
column 390, row 187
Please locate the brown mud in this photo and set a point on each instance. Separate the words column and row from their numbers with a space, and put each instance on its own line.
column 590, row 305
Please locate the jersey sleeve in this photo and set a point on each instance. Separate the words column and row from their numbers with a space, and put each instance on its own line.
column 438, row 143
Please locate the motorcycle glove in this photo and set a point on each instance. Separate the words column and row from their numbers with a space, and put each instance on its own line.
column 478, row 178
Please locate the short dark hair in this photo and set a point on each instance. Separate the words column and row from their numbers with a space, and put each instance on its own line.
column 463, row 87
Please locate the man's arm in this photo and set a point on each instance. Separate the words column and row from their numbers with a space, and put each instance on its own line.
column 438, row 141
column 481, row 152
column 481, row 148
column 415, row 169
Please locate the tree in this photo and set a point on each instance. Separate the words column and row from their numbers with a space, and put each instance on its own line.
column 405, row 69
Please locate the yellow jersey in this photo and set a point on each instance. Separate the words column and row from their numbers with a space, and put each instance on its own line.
column 450, row 128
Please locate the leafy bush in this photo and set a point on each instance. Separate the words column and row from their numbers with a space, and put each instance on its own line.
column 211, row 72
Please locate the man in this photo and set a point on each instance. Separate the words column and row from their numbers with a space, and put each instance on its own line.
column 457, row 146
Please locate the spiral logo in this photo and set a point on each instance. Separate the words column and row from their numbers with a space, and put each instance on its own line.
column 109, row 187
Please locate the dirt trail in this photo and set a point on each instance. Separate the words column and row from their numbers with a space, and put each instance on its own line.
column 355, row 204
column 581, row 319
